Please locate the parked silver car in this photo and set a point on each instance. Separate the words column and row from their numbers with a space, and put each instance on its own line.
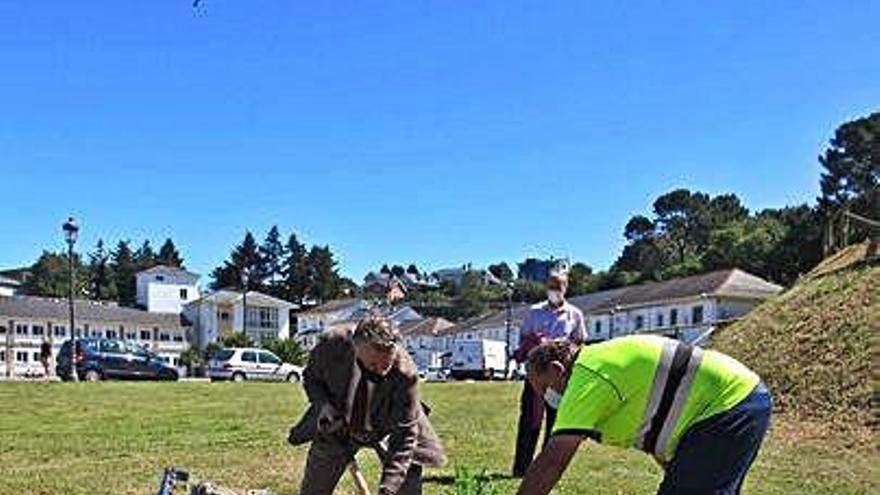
column 245, row 363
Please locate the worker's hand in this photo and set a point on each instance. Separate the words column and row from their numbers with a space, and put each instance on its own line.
column 330, row 419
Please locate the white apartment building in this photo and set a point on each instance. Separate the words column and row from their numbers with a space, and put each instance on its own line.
column 222, row 313
column 27, row 321
column 166, row 289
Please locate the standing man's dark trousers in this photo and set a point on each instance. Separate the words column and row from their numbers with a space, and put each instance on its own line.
column 531, row 412
column 328, row 458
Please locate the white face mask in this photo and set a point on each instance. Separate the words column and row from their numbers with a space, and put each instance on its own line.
column 555, row 297
column 552, row 398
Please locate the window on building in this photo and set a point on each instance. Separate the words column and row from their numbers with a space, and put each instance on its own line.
column 131, row 335
column 260, row 317
column 673, row 317
column 164, row 337
column 60, row 331
column 2, row 356
column 145, row 335
column 183, row 294
column 35, row 357
column 177, row 337
column 597, row 327
column 2, row 330
column 78, row 332
column 660, row 320
column 640, row 322
column 111, row 334
column 21, row 329
column 21, row 356
column 160, row 278
column 223, row 315
column 697, row 314
column 38, row 330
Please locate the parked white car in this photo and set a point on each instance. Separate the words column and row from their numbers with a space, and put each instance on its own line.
column 245, row 363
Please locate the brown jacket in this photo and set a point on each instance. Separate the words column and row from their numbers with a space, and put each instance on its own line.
column 396, row 414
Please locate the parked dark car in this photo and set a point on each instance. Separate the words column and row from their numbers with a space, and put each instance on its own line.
column 102, row 359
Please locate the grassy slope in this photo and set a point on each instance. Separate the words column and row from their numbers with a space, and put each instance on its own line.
column 117, row 437
column 812, row 345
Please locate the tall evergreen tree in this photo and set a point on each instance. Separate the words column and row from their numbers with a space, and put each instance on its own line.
column 851, row 178
column 124, row 267
column 145, row 257
column 244, row 258
column 325, row 278
column 102, row 284
column 297, row 275
column 169, row 255
column 273, row 253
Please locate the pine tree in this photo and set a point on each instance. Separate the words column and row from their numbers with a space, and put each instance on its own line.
column 325, row 278
column 273, row 253
column 169, row 255
column 244, row 258
column 145, row 257
column 124, row 268
column 297, row 276
column 102, row 283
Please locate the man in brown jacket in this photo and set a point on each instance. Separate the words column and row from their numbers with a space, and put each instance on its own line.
column 363, row 393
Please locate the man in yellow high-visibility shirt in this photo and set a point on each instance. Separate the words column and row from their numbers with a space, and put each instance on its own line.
column 701, row 414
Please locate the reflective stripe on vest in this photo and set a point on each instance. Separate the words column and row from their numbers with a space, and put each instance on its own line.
column 672, row 385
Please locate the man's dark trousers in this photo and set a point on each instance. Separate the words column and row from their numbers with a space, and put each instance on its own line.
column 714, row 455
column 531, row 410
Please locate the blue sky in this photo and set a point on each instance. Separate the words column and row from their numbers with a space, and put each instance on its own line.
column 412, row 131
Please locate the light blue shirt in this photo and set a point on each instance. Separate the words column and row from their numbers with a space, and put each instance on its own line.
column 564, row 322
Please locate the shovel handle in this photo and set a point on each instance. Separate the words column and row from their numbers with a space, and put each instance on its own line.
column 360, row 482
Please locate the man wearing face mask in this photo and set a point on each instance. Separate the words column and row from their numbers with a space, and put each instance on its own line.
column 553, row 319
column 702, row 415
column 363, row 393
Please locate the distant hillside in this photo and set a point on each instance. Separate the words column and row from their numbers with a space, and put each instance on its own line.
column 812, row 344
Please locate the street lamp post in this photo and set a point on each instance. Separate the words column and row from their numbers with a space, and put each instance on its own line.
column 508, row 323
column 244, row 290
column 71, row 229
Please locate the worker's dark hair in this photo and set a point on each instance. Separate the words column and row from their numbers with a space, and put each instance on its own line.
column 555, row 350
column 376, row 331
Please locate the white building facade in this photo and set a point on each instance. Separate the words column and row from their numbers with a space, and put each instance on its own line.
column 26, row 322
column 222, row 313
column 688, row 308
column 166, row 289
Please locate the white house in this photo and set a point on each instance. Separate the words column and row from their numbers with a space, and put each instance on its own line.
column 27, row 321
column 221, row 313
column 423, row 340
column 166, row 289
column 689, row 308
column 8, row 287
column 343, row 314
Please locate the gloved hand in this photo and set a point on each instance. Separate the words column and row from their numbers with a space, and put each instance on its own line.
column 330, row 420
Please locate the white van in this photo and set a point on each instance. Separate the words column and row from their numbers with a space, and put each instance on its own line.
column 480, row 359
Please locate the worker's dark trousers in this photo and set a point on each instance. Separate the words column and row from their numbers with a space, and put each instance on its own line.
column 714, row 455
column 531, row 412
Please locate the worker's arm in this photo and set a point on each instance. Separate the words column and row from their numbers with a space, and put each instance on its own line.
column 547, row 468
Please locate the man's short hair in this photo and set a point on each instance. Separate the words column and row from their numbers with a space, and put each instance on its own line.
column 376, row 331
column 555, row 350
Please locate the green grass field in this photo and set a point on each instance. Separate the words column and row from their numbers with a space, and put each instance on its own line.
column 117, row 437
